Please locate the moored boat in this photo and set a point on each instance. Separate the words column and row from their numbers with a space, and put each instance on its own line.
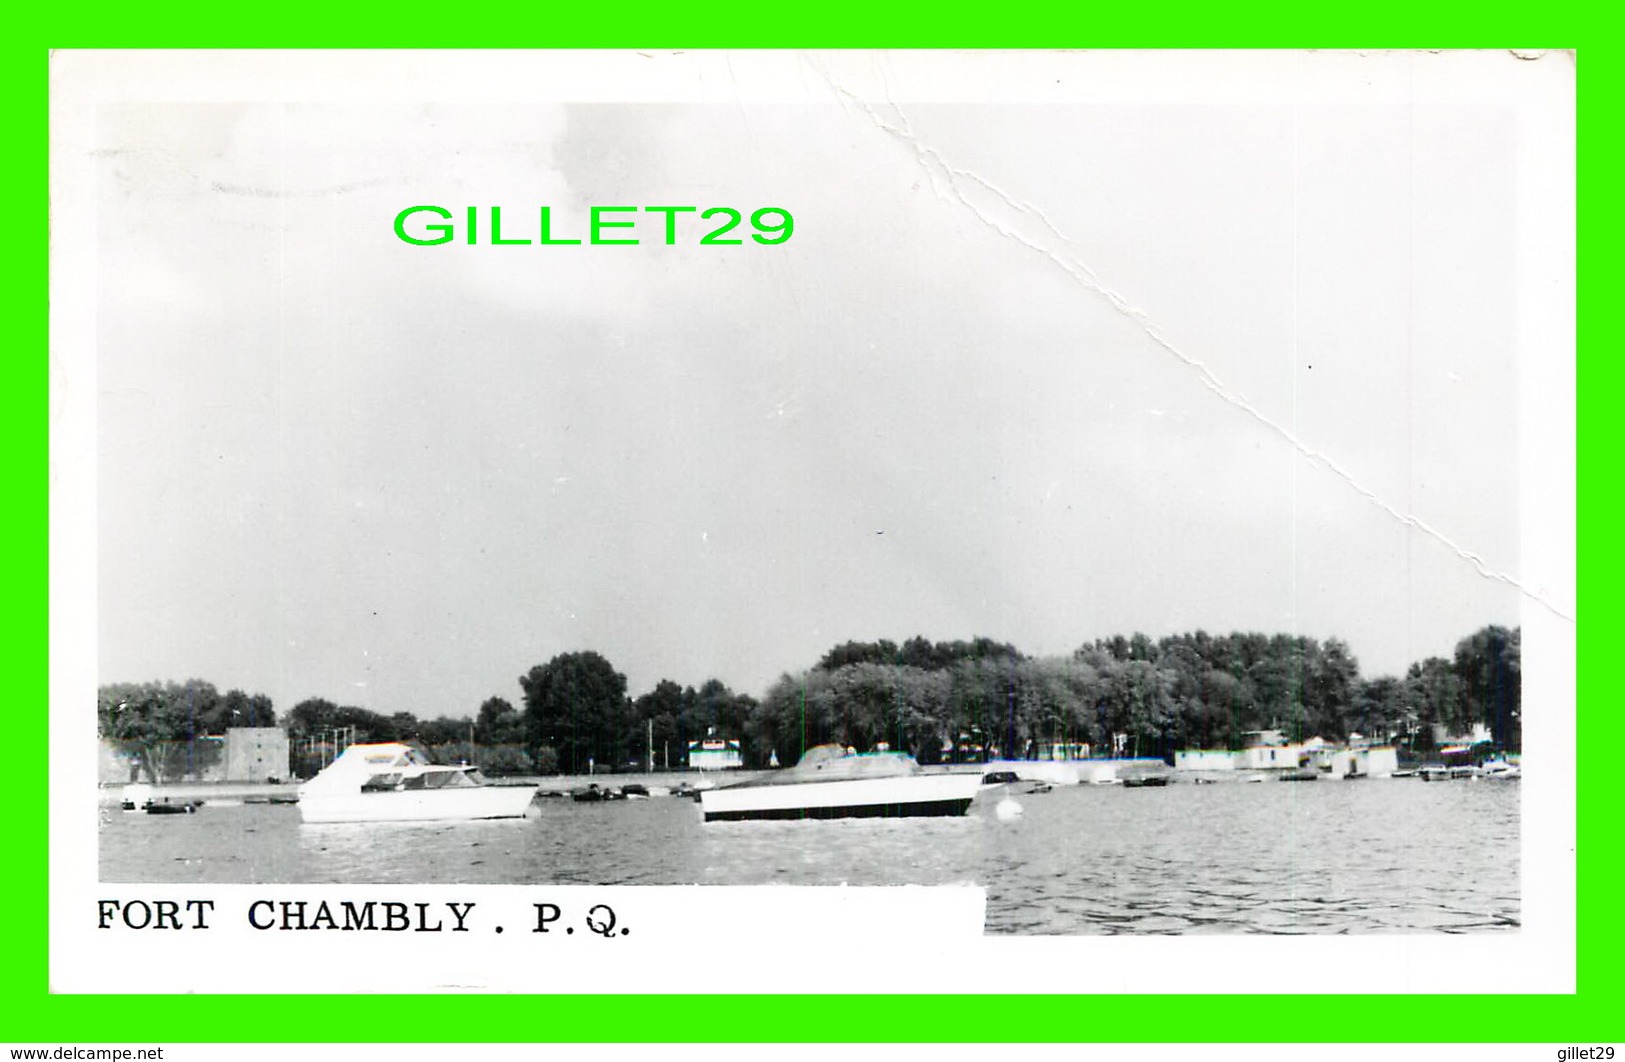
column 164, row 807
column 396, row 783
column 136, row 797
column 830, row 783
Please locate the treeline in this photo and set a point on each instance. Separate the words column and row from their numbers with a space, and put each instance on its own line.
column 1133, row 696
column 984, row 699
column 573, row 717
column 938, row 700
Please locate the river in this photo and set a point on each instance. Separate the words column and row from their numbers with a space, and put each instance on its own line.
column 1394, row 855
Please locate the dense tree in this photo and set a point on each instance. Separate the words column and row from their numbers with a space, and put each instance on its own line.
column 1140, row 704
column 881, row 652
column 575, row 705
column 157, row 724
column 1379, row 709
column 316, row 717
column 1331, row 678
column 1489, row 664
column 237, row 708
column 1189, row 690
column 1434, row 693
column 1223, row 699
column 499, row 723
column 917, row 652
column 141, row 718
column 444, row 730
column 664, row 712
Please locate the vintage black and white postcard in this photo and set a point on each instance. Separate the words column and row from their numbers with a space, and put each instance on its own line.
column 1104, row 518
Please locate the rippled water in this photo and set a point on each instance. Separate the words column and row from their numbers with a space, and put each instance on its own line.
column 1323, row 857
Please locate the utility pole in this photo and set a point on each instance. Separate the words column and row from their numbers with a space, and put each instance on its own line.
column 651, row 760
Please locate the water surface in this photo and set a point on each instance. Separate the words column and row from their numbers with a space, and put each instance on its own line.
column 1324, row 857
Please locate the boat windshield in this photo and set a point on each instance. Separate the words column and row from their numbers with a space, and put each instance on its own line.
column 441, row 780
column 376, row 757
column 832, row 762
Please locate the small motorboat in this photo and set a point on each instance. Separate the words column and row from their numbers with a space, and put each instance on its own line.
column 136, row 796
column 1500, row 771
column 1149, row 781
column 590, row 795
column 392, row 782
column 831, row 783
column 164, row 807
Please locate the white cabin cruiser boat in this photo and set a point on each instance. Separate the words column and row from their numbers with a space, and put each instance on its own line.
column 397, row 783
column 830, row 783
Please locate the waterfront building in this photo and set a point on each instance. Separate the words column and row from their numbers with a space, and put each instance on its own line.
column 241, row 754
column 1270, row 757
column 1377, row 761
column 715, row 754
column 1478, row 735
column 1336, row 761
column 1205, row 760
column 256, row 754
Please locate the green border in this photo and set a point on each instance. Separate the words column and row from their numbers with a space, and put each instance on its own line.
column 31, row 1014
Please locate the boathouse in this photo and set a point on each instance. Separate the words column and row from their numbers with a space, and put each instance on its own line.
column 1205, row 760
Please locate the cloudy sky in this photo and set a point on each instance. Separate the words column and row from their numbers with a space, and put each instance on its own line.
column 1042, row 369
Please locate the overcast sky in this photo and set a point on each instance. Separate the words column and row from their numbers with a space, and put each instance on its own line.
column 1040, row 372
